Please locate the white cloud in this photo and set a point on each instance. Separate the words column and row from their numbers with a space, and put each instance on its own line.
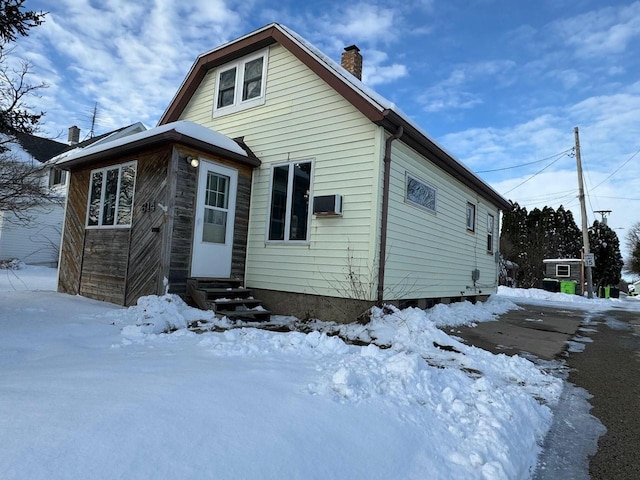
column 456, row 92
column 601, row 32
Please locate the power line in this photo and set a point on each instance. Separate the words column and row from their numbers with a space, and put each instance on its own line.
column 525, row 164
column 534, row 175
column 617, row 169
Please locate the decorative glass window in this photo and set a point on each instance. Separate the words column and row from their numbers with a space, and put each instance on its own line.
column 490, row 233
column 563, row 270
column 111, row 196
column 471, row 217
column 420, row 194
column 289, row 213
column 241, row 84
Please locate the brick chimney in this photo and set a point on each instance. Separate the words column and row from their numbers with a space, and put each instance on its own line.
column 74, row 135
column 352, row 61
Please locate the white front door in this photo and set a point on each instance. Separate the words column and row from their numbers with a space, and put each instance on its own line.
column 215, row 214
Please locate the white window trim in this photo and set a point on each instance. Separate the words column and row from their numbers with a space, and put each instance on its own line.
column 287, row 219
column 490, row 232
column 238, row 103
column 472, row 228
column 568, row 270
column 426, row 184
column 119, row 166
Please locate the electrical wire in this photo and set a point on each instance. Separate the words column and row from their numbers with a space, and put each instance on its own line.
column 535, row 174
column 525, row 164
column 617, row 169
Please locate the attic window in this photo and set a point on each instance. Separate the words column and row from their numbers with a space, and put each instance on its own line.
column 240, row 84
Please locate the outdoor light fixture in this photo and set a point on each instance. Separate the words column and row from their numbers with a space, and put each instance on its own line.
column 194, row 162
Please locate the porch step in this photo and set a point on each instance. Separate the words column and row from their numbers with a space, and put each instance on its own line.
column 226, row 296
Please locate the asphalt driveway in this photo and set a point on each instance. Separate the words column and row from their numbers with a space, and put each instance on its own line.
column 608, row 368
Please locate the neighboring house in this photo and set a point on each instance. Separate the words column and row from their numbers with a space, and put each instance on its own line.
column 564, row 269
column 34, row 237
column 336, row 200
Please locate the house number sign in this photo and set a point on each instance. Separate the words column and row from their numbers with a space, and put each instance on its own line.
column 149, row 207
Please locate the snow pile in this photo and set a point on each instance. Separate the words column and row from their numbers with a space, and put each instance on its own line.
column 155, row 315
column 543, row 295
column 477, row 412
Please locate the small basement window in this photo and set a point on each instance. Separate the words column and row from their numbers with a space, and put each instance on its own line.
column 563, row 270
column 111, row 192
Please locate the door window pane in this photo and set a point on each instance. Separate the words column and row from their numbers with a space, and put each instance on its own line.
column 216, row 208
column 215, row 226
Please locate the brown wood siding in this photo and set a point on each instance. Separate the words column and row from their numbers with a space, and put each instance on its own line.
column 182, row 235
column 145, row 248
column 104, row 266
column 243, row 199
column 73, row 238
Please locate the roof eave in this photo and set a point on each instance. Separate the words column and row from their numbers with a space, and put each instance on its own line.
column 171, row 136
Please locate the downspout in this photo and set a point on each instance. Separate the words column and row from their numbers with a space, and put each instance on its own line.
column 385, row 211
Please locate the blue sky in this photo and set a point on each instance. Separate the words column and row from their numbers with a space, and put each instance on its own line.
column 497, row 83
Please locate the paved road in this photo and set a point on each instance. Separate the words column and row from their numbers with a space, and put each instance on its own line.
column 608, row 368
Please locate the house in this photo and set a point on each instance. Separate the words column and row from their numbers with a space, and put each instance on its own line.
column 328, row 201
column 34, row 236
column 564, row 270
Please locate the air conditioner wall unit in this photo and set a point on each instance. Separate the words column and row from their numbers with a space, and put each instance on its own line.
column 327, row 205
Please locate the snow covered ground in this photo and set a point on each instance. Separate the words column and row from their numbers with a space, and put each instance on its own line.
column 91, row 390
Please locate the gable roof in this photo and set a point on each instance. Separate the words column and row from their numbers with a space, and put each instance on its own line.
column 186, row 133
column 42, row 149
column 375, row 107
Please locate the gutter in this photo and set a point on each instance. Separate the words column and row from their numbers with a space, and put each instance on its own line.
column 385, row 211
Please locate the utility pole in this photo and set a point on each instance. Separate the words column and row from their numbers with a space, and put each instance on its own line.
column 604, row 214
column 583, row 211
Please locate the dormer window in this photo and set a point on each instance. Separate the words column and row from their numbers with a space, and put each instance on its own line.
column 240, row 85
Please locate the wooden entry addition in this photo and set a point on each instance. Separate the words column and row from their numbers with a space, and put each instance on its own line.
column 214, row 220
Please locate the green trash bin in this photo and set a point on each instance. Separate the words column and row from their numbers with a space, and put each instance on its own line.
column 568, row 286
column 604, row 292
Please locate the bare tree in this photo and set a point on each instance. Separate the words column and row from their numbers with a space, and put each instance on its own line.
column 21, row 183
column 632, row 265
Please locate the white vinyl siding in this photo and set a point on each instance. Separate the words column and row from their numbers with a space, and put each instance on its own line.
column 304, row 118
column 37, row 243
column 432, row 255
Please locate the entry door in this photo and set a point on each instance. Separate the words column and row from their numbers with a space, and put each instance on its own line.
column 215, row 214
